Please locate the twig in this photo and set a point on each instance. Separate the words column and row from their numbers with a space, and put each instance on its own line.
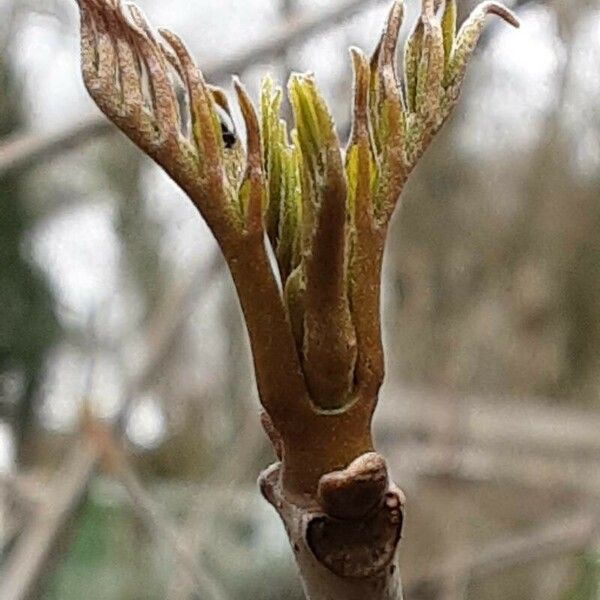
column 23, row 151
column 170, row 318
column 291, row 33
column 526, row 423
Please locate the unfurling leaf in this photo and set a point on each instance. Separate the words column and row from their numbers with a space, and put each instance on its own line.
column 325, row 214
column 388, row 117
column 430, row 72
column 282, row 165
column 273, row 134
column 329, row 345
column 360, row 160
column 386, row 102
column 252, row 190
column 448, row 30
column 467, row 39
column 412, row 59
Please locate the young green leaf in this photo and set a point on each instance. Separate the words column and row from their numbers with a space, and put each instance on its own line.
column 448, row 30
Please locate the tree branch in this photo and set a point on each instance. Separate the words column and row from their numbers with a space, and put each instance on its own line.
column 23, row 151
column 342, row 513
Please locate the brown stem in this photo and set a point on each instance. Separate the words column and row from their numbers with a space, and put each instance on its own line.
column 320, row 444
column 278, row 374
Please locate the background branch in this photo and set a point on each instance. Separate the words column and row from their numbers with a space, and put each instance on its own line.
column 559, row 538
column 35, row 548
column 151, row 514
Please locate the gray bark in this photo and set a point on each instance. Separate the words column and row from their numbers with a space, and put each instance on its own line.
column 341, row 558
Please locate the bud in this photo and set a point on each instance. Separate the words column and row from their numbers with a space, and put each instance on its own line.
column 325, row 214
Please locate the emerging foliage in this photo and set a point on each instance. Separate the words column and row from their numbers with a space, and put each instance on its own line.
column 314, row 324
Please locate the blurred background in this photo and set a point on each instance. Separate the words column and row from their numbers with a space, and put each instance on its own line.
column 129, row 435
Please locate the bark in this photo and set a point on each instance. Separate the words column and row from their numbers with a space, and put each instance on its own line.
column 342, row 514
column 343, row 558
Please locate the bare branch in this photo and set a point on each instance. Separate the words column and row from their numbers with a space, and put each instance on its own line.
column 23, row 151
column 29, row 559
